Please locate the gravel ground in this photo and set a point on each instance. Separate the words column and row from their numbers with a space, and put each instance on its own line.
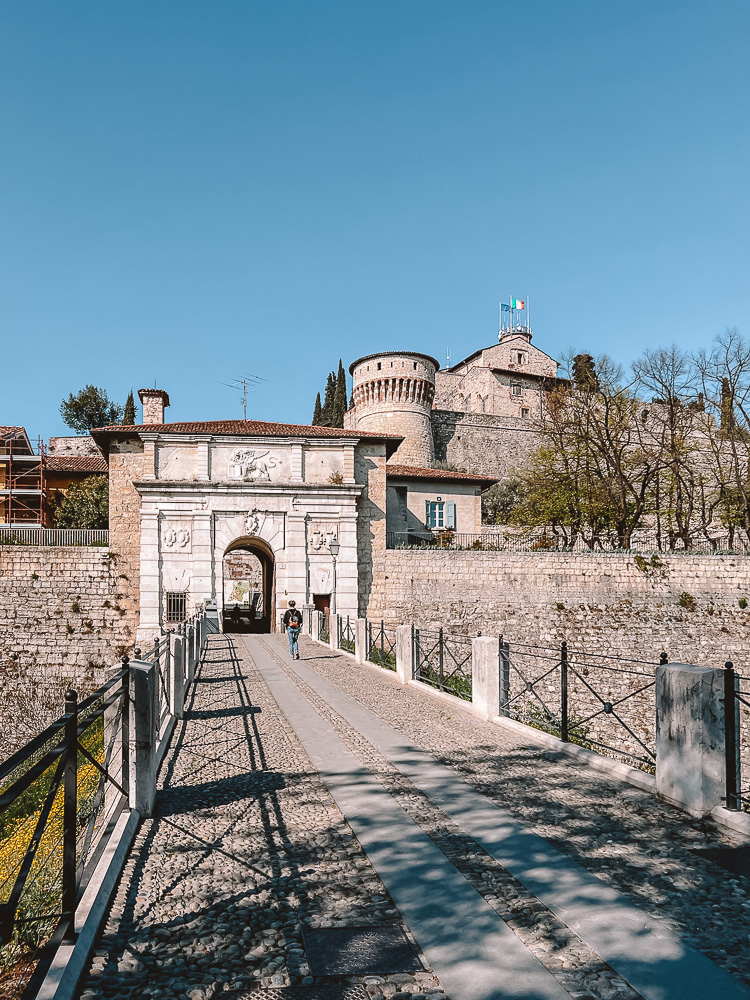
column 642, row 847
column 246, row 847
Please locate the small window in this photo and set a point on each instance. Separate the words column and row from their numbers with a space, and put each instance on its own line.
column 391, row 364
column 435, row 514
column 524, row 413
column 176, row 607
column 520, row 358
column 516, row 386
column 415, row 366
column 380, row 365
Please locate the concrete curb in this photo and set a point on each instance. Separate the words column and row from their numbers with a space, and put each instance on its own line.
column 69, row 962
column 737, row 822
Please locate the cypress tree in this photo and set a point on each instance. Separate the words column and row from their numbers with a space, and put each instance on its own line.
column 327, row 411
column 317, row 411
column 339, row 398
column 128, row 416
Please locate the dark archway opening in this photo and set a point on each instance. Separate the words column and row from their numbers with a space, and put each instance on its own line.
column 248, row 572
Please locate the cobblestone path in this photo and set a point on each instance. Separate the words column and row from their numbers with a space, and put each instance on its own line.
column 247, row 845
column 644, row 848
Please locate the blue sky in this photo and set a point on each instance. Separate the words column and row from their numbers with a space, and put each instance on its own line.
column 190, row 191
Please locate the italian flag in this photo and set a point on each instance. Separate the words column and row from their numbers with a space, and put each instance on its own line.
column 516, row 304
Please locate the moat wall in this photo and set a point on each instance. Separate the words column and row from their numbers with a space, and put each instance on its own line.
column 60, row 611
column 619, row 604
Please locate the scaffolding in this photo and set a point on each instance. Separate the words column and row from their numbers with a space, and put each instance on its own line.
column 22, row 478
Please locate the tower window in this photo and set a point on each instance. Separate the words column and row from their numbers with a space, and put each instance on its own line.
column 524, row 413
column 520, row 358
column 415, row 366
column 516, row 387
column 380, row 365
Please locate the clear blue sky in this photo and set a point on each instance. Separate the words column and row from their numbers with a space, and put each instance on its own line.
column 190, row 191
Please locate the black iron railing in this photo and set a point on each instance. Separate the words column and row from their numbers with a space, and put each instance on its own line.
column 443, row 661
column 345, row 638
column 381, row 644
column 737, row 738
column 605, row 703
column 60, row 797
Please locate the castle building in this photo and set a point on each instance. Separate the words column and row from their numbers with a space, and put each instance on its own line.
column 477, row 415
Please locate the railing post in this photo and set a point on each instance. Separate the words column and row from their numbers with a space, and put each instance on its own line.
column 440, row 655
column 116, row 739
column 144, row 713
column 504, row 679
column 177, row 676
column 564, row 692
column 382, row 642
column 188, row 665
column 404, row 653
column 485, row 677
column 70, row 809
column 690, row 736
column 361, row 653
column 731, row 726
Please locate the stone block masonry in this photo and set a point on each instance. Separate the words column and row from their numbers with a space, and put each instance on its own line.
column 60, row 612
column 623, row 604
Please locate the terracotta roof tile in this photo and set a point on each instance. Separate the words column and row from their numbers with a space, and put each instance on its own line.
column 414, row 472
column 76, row 463
column 242, row 428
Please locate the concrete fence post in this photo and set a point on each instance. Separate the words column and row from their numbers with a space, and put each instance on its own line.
column 177, row 677
column 334, row 625
column 143, row 732
column 360, row 640
column 404, row 654
column 188, row 666
column 690, row 770
column 485, row 676
column 116, row 742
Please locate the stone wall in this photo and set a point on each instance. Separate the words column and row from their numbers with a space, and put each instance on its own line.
column 126, row 461
column 61, row 614
column 483, row 443
column 369, row 470
column 614, row 603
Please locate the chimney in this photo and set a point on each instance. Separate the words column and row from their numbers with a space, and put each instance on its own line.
column 154, row 402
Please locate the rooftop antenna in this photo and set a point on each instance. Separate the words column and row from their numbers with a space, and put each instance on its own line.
column 448, row 357
column 248, row 383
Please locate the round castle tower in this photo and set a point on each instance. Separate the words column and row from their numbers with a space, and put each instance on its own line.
column 393, row 394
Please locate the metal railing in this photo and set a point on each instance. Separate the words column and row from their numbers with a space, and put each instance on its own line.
column 737, row 738
column 381, row 644
column 345, row 633
column 443, row 661
column 605, row 703
column 322, row 627
column 489, row 541
column 36, row 535
column 60, row 797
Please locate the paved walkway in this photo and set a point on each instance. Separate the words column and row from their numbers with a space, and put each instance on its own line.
column 316, row 793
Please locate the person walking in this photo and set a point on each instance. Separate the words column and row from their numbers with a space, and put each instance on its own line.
column 293, row 622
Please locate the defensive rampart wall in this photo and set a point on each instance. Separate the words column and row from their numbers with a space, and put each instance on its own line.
column 622, row 604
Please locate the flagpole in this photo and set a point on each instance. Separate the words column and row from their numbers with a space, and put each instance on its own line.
column 528, row 315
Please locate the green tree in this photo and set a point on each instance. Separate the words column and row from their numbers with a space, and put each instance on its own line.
column 500, row 501
column 326, row 416
column 89, row 408
column 317, row 412
column 128, row 416
column 584, row 373
column 83, row 505
column 339, row 398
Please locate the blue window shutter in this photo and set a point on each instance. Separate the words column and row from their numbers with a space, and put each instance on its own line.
column 450, row 520
column 427, row 513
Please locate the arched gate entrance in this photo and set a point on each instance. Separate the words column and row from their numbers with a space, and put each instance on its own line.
column 248, row 586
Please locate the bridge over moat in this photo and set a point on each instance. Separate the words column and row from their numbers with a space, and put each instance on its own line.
column 300, row 797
